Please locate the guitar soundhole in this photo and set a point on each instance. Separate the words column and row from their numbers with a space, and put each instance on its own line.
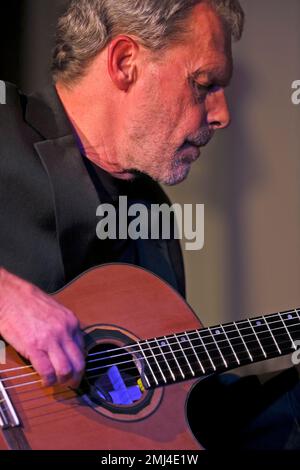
column 113, row 376
column 113, row 383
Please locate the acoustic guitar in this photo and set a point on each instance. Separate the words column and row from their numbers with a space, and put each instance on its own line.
column 145, row 351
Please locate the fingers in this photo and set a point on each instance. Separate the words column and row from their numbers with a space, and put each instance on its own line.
column 80, row 341
column 76, row 359
column 66, row 353
column 53, row 341
column 43, row 366
column 61, row 364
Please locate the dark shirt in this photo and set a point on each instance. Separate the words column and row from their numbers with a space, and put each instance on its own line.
column 109, row 190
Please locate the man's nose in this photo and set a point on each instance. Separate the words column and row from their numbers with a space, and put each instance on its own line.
column 218, row 115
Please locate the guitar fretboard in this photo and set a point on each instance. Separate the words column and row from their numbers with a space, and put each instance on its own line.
column 191, row 354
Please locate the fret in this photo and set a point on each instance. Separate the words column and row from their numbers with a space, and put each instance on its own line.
column 276, row 344
column 220, row 352
column 280, row 332
column 289, row 335
column 257, row 339
column 292, row 322
column 195, row 354
column 144, row 376
column 174, row 343
column 212, row 349
column 175, row 357
column 250, row 338
column 183, row 340
column 238, row 343
column 225, row 346
column 267, row 340
column 233, row 350
column 148, row 368
column 169, row 375
column 156, row 361
column 152, row 362
column 170, row 358
column 231, row 346
column 202, row 352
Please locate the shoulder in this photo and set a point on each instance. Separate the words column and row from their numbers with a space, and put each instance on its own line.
column 17, row 137
column 16, row 134
column 9, row 94
column 12, row 103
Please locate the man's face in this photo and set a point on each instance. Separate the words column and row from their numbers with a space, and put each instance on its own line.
column 178, row 101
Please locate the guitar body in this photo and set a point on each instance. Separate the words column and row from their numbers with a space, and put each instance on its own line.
column 115, row 304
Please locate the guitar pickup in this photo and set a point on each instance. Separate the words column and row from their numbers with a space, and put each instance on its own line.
column 112, row 387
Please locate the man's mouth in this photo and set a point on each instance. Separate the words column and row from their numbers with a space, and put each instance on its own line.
column 190, row 153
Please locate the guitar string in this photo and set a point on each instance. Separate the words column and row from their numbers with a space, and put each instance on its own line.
column 203, row 330
column 194, row 363
column 193, row 346
column 129, row 380
column 156, row 347
column 137, row 377
column 159, row 340
column 209, row 330
column 163, row 362
column 192, row 354
column 188, row 334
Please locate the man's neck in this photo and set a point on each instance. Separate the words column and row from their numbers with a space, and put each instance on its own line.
column 92, row 130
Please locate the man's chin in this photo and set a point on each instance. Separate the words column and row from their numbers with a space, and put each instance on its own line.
column 173, row 177
column 177, row 176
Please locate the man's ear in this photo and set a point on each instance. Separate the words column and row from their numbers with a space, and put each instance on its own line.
column 122, row 53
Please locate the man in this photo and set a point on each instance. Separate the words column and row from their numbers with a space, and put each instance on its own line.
column 139, row 88
column 132, row 95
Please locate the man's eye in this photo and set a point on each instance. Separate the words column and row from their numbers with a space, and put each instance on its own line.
column 202, row 90
column 209, row 88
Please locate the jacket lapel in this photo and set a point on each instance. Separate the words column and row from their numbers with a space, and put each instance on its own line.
column 74, row 196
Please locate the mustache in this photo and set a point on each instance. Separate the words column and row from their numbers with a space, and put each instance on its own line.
column 202, row 138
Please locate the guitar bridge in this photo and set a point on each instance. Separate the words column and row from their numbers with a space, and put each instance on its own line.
column 8, row 416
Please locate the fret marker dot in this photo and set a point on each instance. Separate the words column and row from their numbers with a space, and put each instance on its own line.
column 163, row 344
column 258, row 323
column 183, row 339
column 290, row 317
column 217, row 332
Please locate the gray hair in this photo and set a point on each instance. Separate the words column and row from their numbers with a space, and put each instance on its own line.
column 87, row 27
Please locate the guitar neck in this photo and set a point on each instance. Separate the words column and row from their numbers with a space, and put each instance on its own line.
column 191, row 354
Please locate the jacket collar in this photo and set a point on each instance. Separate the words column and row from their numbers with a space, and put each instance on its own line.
column 75, row 199
column 46, row 114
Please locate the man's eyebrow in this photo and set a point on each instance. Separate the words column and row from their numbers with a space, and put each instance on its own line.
column 214, row 76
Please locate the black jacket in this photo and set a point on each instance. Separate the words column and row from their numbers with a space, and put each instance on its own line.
column 48, row 201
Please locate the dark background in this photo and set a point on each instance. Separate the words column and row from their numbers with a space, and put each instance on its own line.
column 26, row 38
column 10, row 38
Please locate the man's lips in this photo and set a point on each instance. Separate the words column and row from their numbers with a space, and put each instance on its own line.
column 190, row 152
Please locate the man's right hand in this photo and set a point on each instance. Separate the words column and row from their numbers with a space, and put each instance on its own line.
column 40, row 329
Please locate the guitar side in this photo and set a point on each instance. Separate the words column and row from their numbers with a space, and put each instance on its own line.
column 112, row 302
